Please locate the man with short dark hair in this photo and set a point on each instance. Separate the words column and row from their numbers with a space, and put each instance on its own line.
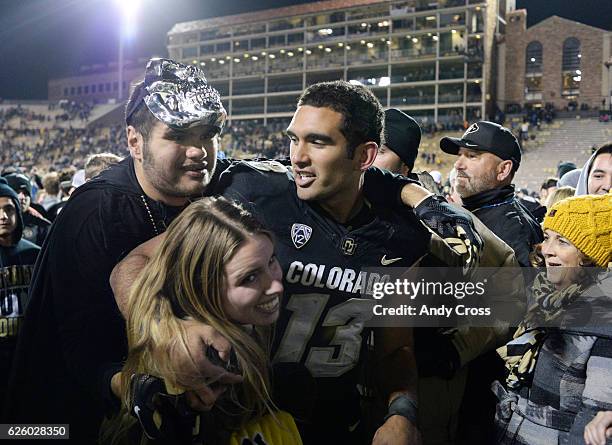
column 17, row 258
column 547, row 188
column 35, row 226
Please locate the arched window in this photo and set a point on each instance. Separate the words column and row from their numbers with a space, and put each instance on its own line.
column 533, row 71
column 571, row 75
column 571, row 54
column 533, row 54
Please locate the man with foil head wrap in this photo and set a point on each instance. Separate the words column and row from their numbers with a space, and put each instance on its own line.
column 73, row 336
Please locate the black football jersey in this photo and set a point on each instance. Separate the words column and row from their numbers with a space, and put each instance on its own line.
column 321, row 324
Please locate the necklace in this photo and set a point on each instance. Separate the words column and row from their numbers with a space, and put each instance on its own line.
column 150, row 215
column 488, row 206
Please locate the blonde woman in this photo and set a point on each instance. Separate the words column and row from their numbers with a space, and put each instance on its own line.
column 559, row 194
column 214, row 265
column 560, row 360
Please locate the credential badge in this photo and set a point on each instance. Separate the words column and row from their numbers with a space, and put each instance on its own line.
column 300, row 234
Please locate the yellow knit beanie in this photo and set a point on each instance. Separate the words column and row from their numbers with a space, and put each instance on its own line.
column 586, row 221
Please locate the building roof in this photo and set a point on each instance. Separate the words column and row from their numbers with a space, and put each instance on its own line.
column 557, row 18
column 270, row 14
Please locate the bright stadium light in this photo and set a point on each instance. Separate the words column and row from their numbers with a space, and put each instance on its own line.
column 128, row 10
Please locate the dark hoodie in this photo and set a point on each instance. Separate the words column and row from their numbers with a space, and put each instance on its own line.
column 73, row 337
column 16, row 264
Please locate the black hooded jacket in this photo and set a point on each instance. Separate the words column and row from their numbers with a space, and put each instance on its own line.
column 73, row 336
column 16, row 264
column 501, row 211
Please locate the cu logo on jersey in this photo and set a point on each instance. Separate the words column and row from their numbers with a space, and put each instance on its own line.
column 348, row 246
column 300, row 234
column 473, row 129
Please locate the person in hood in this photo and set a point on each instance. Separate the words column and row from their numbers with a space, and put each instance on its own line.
column 17, row 258
column 570, row 179
column 35, row 225
column 596, row 175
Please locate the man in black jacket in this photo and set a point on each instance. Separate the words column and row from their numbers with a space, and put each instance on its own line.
column 73, row 341
column 488, row 157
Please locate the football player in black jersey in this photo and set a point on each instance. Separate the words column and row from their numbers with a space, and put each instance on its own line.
column 326, row 233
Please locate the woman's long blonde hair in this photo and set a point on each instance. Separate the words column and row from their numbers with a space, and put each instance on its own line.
column 186, row 278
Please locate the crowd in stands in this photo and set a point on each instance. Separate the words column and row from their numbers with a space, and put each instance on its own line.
column 58, row 147
column 25, row 143
column 70, row 111
column 73, row 110
column 248, row 138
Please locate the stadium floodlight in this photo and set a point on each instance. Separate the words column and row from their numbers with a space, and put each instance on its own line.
column 127, row 28
column 127, row 12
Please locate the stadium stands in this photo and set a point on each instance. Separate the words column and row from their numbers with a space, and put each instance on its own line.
column 563, row 140
column 56, row 135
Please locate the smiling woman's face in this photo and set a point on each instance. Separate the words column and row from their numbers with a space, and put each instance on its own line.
column 254, row 283
column 563, row 259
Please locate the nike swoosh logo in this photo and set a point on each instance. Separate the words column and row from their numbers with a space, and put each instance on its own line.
column 471, row 145
column 385, row 262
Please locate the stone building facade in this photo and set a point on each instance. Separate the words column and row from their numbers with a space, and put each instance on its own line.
column 557, row 61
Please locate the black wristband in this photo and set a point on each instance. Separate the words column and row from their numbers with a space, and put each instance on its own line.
column 403, row 406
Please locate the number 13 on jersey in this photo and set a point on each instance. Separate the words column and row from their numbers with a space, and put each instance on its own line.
column 342, row 353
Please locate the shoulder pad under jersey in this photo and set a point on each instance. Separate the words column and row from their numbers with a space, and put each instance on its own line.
column 268, row 166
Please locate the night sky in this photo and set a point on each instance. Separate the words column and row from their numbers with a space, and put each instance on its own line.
column 42, row 39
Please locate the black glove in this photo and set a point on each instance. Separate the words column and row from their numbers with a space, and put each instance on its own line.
column 383, row 188
column 454, row 225
column 162, row 416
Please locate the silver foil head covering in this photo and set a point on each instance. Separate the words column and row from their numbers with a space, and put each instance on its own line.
column 180, row 96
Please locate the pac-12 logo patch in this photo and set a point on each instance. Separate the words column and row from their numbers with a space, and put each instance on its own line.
column 300, row 234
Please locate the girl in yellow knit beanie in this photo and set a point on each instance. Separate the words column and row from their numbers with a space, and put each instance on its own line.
column 577, row 232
